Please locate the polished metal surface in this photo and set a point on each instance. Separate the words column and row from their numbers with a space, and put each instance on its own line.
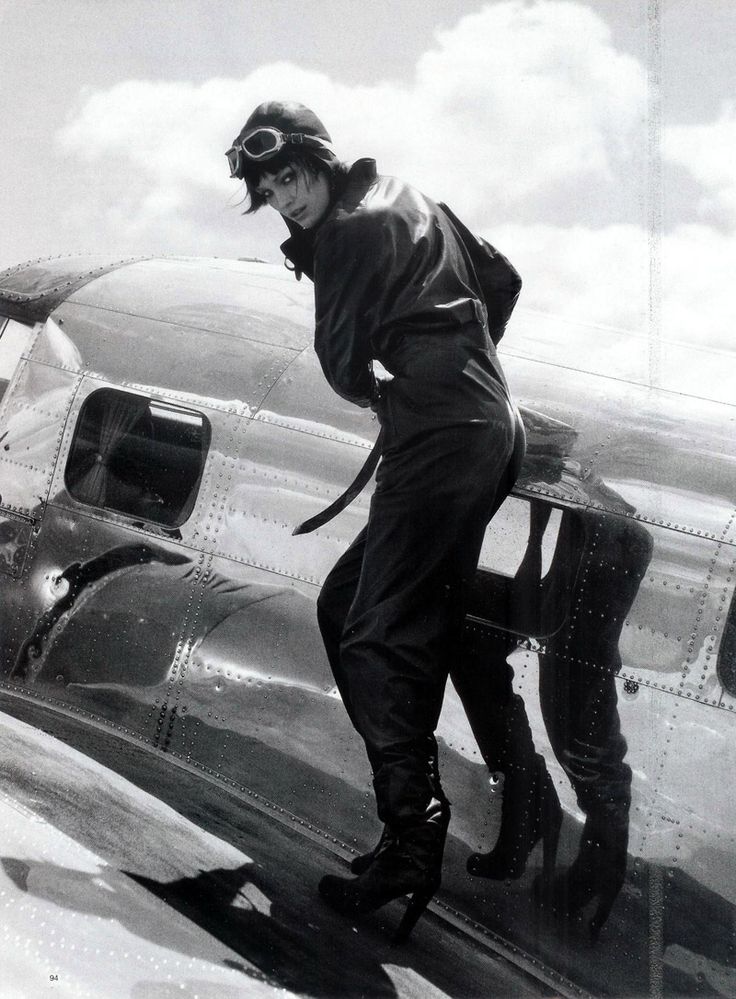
column 607, row 580
column 114, row 884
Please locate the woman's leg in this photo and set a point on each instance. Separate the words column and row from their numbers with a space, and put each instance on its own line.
column 333, row 605
column 428, row 516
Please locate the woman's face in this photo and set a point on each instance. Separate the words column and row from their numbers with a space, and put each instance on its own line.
column 296, row 194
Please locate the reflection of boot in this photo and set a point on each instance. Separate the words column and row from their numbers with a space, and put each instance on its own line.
column 598, row 871
column 364, row 860
column 530, row 811
column 409, row 864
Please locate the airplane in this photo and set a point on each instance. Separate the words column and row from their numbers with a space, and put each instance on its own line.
column 164, row 426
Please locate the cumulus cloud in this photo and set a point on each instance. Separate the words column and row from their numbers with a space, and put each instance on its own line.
column 707, row 152
column 515, row 106
column 600, row 276
column 536, row 98
column 523, row 116
column 698, row 265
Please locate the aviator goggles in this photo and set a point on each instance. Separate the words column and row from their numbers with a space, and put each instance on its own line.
column 263, row 143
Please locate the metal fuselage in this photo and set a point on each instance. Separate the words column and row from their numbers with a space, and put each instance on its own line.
column 187, row 622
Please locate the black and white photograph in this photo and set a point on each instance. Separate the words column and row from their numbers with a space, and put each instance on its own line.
column 367, row 499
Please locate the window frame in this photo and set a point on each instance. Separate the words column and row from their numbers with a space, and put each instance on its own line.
column 187, row 508
column 531, row 613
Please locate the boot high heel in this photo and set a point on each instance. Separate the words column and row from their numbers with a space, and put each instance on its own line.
column 409, row 864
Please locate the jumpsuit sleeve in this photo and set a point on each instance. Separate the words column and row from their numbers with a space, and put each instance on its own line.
column 352, row 264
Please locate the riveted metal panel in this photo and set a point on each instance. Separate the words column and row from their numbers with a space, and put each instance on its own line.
column 691, row 805
column 302, row 400
column 255, row 698
column 661, row 458
column 688, row 842
column 16, row 537
column 32, row 290
column 254, row 301
column 207, row 646
column 158, row 357
column 32, row 417
column 726, row 661
column 280, row 477
column 673, row 459
column 681, row 760
column 676, row 623
column 632, row 356
column 562, row 343
column 99, row 620
column 15, row 343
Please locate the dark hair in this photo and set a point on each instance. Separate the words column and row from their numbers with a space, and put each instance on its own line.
column 301, row 159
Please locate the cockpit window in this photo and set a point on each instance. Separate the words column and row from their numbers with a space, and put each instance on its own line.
column 137, row 456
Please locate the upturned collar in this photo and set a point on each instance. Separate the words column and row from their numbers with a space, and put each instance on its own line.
column 350, row 189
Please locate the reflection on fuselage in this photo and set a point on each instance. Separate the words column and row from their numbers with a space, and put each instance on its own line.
column 579, row 605
column 598, row 611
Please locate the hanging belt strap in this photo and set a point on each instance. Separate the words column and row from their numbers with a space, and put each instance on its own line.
column 356, row 486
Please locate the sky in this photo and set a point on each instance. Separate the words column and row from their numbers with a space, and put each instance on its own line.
column 592, row 141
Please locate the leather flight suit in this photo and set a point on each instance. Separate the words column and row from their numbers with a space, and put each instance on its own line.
column 393, row 281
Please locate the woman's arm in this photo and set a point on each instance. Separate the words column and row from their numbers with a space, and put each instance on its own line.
column 353, row 262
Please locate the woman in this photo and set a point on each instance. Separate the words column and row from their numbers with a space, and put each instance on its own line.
column 394, row 283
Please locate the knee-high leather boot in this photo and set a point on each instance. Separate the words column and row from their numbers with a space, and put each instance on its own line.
column 408, row 863
column 408, row 858
column 363, row 861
